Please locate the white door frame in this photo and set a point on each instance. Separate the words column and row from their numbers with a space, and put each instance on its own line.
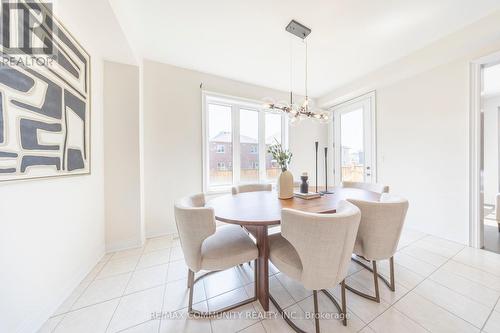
column 371, row 96
column 476, row 226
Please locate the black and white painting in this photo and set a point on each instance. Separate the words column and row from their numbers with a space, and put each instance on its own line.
column 44, row 96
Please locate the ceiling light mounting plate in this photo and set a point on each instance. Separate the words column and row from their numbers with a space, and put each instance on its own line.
column 298, row 29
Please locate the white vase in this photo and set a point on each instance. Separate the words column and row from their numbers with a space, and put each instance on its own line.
column 285, row 185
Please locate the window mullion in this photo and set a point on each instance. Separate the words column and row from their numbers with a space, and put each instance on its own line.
column 262, row 146
column 236, row 144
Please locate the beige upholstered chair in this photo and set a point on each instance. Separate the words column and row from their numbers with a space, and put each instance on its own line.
column 378, row 236
column 209, row 248
column 251, row 188
column 379, row 188
column 315, row 250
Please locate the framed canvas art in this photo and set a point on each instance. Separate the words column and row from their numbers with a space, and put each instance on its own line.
column 44, row 95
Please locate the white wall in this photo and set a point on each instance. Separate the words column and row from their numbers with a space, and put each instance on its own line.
column 52, row 231
column 491, row 108
column 423, row 125
column 173, row 137
column 423, row 148
column 121, row 156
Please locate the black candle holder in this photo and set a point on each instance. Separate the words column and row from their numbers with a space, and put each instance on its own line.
column 326, row 173
column 316, row 145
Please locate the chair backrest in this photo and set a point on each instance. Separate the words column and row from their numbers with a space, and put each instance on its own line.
column 324, row 243
column 194, row 224
column 251, row 188
column 379, row 188
column 380, row 227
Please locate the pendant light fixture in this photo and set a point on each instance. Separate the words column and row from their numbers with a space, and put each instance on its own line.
column 304, row 110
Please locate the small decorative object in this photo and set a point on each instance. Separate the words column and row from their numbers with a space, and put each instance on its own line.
column 326, row 173
column 316, row 144
column 283, row 158
column 304, row 186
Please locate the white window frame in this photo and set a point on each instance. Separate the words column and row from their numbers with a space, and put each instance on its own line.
column 236, row 103
column 370, row 121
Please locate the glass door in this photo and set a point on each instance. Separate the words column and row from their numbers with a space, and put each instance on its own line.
column 353, row 128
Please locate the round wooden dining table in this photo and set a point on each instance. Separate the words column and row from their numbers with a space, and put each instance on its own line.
column 256, row 211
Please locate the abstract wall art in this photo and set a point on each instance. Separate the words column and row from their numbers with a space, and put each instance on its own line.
column 44, row 95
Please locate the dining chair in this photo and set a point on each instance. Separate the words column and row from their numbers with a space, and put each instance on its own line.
column 254, row 188
column 208, row 248
column 378, row 188
column 251, row 188
column 315, row 250
column 378, row 237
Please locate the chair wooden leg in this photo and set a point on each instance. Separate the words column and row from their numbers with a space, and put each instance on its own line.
column 316, row 312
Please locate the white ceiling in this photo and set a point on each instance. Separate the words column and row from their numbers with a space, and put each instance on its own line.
column 245, row 39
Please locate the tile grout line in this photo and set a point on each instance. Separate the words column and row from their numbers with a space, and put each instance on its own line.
column 453, row 314
column 206, row 301
column 143, row 252
column 124, row 294
column 64, row 314
column 408, row 292
column 105, row 261
column 124, row 290
column 452, row 258
column 366, row 324
column 459, row 293
column 477, row 268
column 491, row 312
column 164, row 293
column 146, row 289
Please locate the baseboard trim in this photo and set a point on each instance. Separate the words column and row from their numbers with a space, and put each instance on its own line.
column 160, row 234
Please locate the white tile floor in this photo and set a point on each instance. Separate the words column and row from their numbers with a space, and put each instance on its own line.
column 441, row 287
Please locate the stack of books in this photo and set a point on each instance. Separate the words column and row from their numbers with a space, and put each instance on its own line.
column 307, row 196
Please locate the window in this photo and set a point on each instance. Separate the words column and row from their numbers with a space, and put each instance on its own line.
column 221, row 149
column 220, row 141
column 237, row 134
column 273, row 136
column 249, row 145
